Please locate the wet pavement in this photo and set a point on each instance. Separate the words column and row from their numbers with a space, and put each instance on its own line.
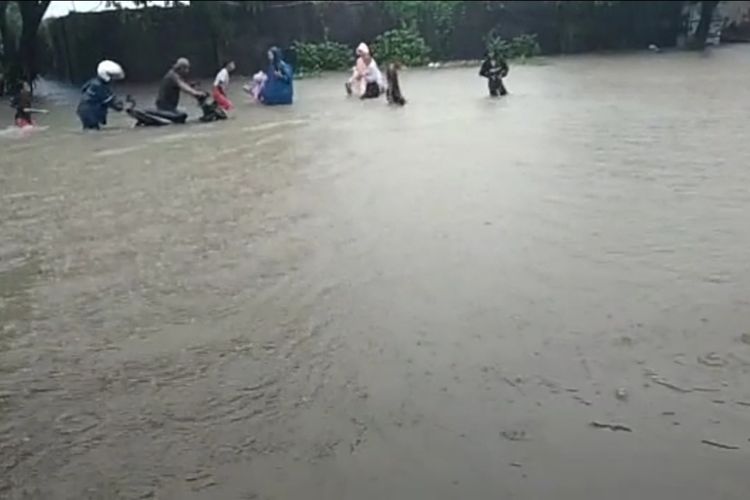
column 344, row 300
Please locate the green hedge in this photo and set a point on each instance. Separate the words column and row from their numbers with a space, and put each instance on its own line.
column 405, row 46
column 520, row 47
column 323, row 56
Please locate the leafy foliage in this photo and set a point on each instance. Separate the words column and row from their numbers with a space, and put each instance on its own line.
column 411, row 13
column 403, row 45
column 523, row 46
column 434, row 19
column 19, row 25
column 323, row 56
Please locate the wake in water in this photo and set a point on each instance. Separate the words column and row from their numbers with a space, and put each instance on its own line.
column 14, row 132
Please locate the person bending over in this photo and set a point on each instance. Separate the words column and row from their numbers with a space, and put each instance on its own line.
column 97, row 96
column 366, row 81
column 173, row 83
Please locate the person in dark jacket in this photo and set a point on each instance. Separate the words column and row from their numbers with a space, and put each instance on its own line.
column 278, row 87
column 393, row 90
column 173, row 83
column 97, row 96
column 22, row 104
column 494, row 70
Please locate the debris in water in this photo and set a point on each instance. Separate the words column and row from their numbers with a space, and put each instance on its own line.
column 206, row 484
column 612, row 427
column 515, row 383
column 745, row 338
column 514, row 435
column 582, row 400
column 706, row 389
column 625, row 341
column 742, row 403
column 515, row 464
column 668, row 413
column 712, row 359
column 195, row 476
column 670, row 385
column 716, row 444
column 621, row 394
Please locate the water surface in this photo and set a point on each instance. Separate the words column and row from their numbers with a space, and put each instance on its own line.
column 344, row 300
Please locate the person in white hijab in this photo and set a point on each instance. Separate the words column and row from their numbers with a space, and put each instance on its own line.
column 366, row 80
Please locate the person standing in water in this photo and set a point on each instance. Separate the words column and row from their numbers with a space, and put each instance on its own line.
column 97, row 96
column 366, row 81
column 173, row 83
column 221, row 85
column 278, row 88
column 393, row 89
column 22, row 104
column 494, row 69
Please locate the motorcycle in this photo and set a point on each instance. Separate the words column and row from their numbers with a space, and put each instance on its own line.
column 158, row 118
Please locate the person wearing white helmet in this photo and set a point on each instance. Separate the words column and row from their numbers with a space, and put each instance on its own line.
column 97, row 96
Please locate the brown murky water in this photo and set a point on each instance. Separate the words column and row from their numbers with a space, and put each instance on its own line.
column 339, row 300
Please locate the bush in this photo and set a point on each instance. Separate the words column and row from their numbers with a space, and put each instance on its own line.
column 403, row 45
column 436, row 19
column 523, row 46
column 323, row 56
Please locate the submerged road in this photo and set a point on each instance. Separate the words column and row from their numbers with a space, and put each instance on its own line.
column 340, row 300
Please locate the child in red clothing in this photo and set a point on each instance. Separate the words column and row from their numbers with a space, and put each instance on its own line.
column 221, row 84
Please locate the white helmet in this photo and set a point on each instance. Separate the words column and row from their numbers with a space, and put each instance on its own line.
column 110, row 70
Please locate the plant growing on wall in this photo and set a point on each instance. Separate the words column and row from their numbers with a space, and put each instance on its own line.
column 403, row 45
column 523, row 46
column 322, row 56
column 427, row 17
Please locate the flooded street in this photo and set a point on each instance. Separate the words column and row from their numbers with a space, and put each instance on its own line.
column 341, row 300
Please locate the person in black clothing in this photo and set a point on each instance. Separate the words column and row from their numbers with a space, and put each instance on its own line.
column 494, row 69
column 173, row 83
column 22, row 104
column 393, row 90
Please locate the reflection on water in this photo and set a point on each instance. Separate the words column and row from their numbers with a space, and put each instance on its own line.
column 344, row 294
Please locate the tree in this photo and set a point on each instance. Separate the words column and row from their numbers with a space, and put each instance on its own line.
column 31, row 16
column 6, row 43
column 708, row 8
column 19, row 58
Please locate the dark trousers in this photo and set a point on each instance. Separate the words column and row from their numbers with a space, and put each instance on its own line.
column 496, row 87
column 372, row 90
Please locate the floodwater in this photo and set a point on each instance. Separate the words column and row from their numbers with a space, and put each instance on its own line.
column 340, row 300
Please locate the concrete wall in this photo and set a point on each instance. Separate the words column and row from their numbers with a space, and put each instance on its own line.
column 147, row 41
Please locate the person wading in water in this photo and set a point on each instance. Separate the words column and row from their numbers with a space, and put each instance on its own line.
column 173, row 83
column 494, row 70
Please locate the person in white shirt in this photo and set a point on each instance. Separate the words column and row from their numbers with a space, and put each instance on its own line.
column 221, row 85
column 367, row 80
